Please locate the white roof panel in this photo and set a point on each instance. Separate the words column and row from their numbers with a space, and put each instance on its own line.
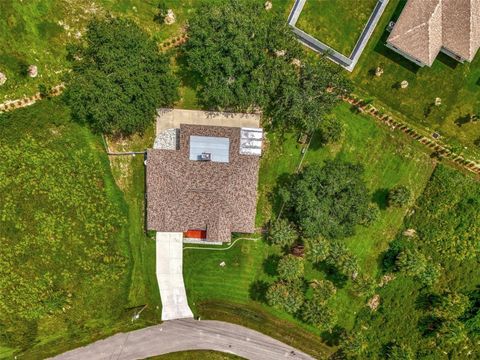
column 217, row 147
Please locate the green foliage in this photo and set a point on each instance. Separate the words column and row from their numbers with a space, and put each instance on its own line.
column 290, row 267
column 452, row 305
column 448, row 222
column 317, row 249
column 286, row 296
column 371, row 215
column 241, row 57
column 318, row 314
column 329, row 200
column 399, row 196
column 119, row 78
column 282, row 233
column 330, row 130
column 61, row 229
column 411, row 262
column 342, row 259
column 73, row 218
column 323, row 290
column 303, row 103
column 354, row 344
column 363, row 285
column 400, row 352
column 451, row 333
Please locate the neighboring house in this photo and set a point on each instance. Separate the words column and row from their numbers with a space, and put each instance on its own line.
column 202, row 180
column 427, row 27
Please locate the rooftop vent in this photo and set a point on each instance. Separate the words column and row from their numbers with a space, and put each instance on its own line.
column 204, row 156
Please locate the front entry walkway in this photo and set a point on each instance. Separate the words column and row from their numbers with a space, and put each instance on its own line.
column 170, row 276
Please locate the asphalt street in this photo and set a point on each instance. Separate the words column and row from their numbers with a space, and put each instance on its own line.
column 186, row 334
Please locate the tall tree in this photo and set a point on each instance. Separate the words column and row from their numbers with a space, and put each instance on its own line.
column 329, row 200
column 119, row 78
column 243, row 58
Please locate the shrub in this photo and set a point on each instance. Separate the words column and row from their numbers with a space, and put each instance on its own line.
column 282, row 233
column 323, row 290
column 399, row 196
column 318, row 314
column 286, row 296
column 290, row 267
column 317, row 250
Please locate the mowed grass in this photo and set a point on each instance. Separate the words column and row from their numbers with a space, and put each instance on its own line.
column 457, row 85
column 337, row 23
column 389, row 159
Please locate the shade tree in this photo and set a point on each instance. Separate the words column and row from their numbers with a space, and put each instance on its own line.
column 119, row 78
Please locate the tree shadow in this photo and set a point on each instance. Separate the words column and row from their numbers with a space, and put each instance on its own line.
column 462, row 120
column 258, row 290
column 332, row 274
column 426, row 301
column 380, row 197
column 275, row 197
column 428, row 325
column 270, row 264
column 332, row 338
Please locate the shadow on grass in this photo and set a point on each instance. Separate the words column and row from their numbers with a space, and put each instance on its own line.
column 447, row 60
column 275, row 198
column 383, row 50
column 270, row 264
column 332, row 338
column 380, row 197
column 258, row 290
column 332, row 274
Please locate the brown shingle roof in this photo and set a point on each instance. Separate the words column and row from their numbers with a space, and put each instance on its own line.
column 425, row 26
column 183, row 194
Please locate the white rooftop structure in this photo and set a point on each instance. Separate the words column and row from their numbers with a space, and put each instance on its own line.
column 209, row 148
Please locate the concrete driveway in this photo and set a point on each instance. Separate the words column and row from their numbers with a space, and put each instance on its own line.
column 186, row 334
column 170, row 276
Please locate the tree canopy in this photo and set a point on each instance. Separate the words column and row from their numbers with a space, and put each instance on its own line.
column 243, row 59
column 119, row 78
column 329, row 200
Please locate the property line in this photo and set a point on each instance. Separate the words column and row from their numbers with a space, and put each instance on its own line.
column 441, row 150
column 219, row 249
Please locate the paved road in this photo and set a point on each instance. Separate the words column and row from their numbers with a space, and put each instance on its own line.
column 186, row 334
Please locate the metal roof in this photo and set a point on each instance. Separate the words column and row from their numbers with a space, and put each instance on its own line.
column 217, row 147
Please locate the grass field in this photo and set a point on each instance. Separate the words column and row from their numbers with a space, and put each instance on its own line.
column 389, row 160
column 197, row 355
column 37, row 32
column 336, row 23
column 402, row 317
column 457, row 85
column 102, row 309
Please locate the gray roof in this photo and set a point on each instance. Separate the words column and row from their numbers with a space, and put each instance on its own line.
column 425, row 26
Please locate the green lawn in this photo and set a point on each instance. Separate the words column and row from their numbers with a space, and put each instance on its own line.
column 337, row 23
column 458, row 86
column 389, row 159
column 197, row 355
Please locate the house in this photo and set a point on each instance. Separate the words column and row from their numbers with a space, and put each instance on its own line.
column 202, row 179
column 426, row 27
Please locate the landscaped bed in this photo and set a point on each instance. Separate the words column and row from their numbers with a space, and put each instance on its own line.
column 336, row 23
